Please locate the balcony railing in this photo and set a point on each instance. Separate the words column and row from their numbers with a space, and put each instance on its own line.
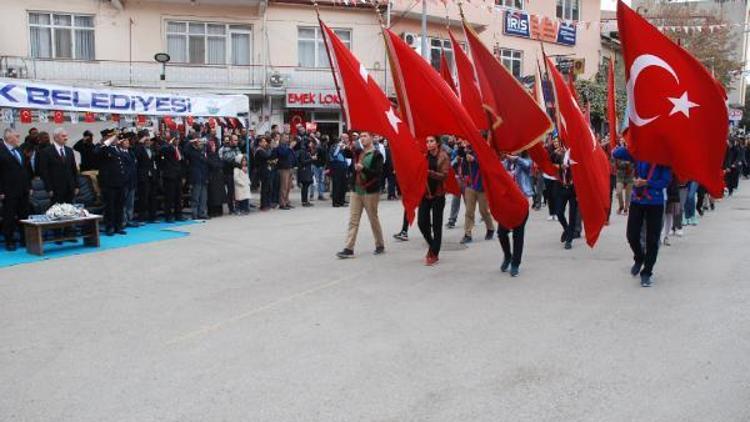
column 252, row 79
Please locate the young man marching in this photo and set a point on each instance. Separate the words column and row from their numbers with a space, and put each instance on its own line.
column 430, row 216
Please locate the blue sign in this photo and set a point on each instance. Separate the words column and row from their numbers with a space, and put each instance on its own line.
column 517, row 24
column 566, row 34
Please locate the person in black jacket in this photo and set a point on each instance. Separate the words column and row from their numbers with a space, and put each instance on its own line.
column 262, row 155
column 305, row 172
column 127, row 149
column 113, row 165
column 368, row 172
column 171, row 170
column 85, row 146
column 56, row 165
column 15, row 186
column 320, row 161
column 198, row 164
column 147, row 178
column 216, row 193
column 732, row 164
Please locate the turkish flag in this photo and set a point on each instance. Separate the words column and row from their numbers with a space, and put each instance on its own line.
column 140, row 120
column 170, row 123
column 25, row 116
column 212, row 123
column 366, row 107
column 612, row 106
column 445, row 71
column 58, row 117
column 189, row 120
column 468, row 89
column 676, row 110
column 540, row 156
column 88, row 117
column 590, row 166
column 430, row 107
column 517, row 120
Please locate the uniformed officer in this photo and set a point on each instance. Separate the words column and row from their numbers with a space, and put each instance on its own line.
column 113, row 165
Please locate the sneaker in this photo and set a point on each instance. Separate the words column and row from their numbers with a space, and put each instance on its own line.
column 666, row 241
column 380, row 250
column 321, row 198
column 679, row 232
column 431, row 259
column 551, row 218
column 514, row 271
column 646, row 280
column 568, row 245
column 636, row 268
column 402, row 236
column 490, row 234
column 563, row 237
column 505, row 265
column 466, row 239
column 451, row 225
column 345, row 253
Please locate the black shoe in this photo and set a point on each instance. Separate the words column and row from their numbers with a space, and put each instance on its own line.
column 568, row 245
column 490, row 234
column 285, row 208
column 577, row 235
column 451, row 225
column 72, row 240
column 514, row 271
column 121, row 231
column 646, row 280
column 345, row 253
column 465, row 240
column 563, row 237
column 10, row 247
column 636, row 268
column 179, row 219
column 505, row 265
column 58, row 242
column 402, row 236
column 110, row 231
column 321, row 198
column 379, row 250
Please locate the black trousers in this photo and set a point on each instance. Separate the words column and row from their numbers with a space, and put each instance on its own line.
column 229, row 183
column 430, row 222
column 549, row 195
column 652, row 216
column 612, row 184
column 701, row 194
column 516, row 253
column 114, row 203
column 732, row 179
column 172, row 198
column 405, row 224
column 390, row 179
column 14, row 209
column 146, row 199
column 62, row 196
column 305, row 192
column 265, row 191
column 566, row 195
column 338, row 188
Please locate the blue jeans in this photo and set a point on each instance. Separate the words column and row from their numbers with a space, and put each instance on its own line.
column 320, row 180
column 690, row 200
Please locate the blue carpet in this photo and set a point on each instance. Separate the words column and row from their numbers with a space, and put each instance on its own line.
column 145, row 234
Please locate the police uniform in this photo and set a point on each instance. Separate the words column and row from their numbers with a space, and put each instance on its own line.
column 114, row 178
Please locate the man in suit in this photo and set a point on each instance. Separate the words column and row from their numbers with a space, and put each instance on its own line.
column 15, row 186
column 147, row 178
column 171, row 167
column 113, row 164
column 57, row 168
column 196, row 154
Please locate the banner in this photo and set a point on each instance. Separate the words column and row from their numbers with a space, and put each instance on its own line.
column 19, row 93
column 518, row 23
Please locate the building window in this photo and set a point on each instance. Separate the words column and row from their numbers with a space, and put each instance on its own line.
column 209, row 43
column 568, row 9
column 510, row 4
column 512, row 60
column 436, row 46
column 311, row 50
column 61, row 36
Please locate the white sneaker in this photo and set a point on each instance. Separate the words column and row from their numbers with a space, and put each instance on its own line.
column 679, row 233
column 551, row 218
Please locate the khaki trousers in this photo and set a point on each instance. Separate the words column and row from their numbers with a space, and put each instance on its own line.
column 94, row 175
column 623, row 201
column 369, row 203
column 285, row 185
column 471, row 197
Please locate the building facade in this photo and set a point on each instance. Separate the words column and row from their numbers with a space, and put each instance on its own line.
column 271, row 51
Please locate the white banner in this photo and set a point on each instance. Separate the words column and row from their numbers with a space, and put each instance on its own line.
column 21, row 93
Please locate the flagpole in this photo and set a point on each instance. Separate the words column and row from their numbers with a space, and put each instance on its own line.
column 554, row 92
column 425, row 52
column 330, row 62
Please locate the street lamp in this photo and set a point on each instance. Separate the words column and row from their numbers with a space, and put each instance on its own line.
column 162, row 58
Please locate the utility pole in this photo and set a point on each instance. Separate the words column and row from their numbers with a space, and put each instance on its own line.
column 425, row 51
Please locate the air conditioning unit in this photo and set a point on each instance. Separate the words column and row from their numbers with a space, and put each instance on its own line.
column 413, row 40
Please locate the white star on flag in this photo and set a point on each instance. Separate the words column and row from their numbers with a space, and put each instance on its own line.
column 392, row 119
column 363, row 72
column 682, row 105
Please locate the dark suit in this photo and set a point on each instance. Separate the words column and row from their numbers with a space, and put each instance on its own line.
column 172, row 160
column 114, row 164
column 59, row 174
column 15, row 183
column 147, row 183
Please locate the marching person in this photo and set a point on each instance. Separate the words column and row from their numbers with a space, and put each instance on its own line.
column 473, row 196
column 520, row 168
column 368, row 170
column 114, row 177
column 646, row 207
column 15, row 187
column 430, row 215
column 566, row 196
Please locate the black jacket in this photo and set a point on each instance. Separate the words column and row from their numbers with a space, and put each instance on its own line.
column 15, row 178
column 369, row 177
column 113, row 166
column 58, row 174
column 146, row 164
column 304, row 166
column 198, row 167
column 171, row 168
column 89, row 159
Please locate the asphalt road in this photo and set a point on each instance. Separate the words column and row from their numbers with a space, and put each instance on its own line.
column 254, row 319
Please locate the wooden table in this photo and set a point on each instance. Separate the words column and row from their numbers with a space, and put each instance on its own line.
column 35, row 232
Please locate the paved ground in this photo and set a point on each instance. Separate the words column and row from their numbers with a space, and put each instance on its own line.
column 253, row 319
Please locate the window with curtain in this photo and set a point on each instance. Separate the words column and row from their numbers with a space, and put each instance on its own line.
column 510, row 4
column 61, row 36
column 209, row 43
column 512, row 60
column 437, row 46
column 568, row 9
column 311, row 49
